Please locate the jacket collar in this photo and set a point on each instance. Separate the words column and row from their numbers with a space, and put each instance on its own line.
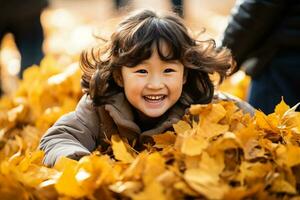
column 122, row 114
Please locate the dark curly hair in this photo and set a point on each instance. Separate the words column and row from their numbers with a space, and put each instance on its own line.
column 133, row 42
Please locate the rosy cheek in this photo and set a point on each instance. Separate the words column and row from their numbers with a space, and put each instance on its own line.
column 176, row 82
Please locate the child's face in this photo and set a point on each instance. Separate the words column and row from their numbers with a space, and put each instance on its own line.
column 154, row 85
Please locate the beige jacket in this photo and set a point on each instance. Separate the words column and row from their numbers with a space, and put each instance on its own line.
column 80, row 132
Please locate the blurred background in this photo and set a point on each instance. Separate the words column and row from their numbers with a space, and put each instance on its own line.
column 71, row 26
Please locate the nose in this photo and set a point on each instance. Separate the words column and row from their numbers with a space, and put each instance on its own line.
column 155, row 83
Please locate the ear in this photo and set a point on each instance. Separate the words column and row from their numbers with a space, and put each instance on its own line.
column 117, row 76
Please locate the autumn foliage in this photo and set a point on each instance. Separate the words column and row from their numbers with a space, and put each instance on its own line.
column 214, row 152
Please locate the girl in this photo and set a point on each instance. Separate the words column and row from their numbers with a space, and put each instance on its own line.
column 140, row 84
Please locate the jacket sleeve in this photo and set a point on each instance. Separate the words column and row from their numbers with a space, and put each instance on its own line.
column 250, row 23
column 73, row 135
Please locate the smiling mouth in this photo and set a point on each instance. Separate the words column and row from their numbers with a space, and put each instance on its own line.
column 154, row 98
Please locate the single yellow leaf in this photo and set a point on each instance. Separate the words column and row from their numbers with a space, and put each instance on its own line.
column 163, row 140
column 193, row 145
column 181, row 127
column 281, row 108
column 209, row 130
column 206, row 183
column 269, row 123
column 197, row 109
column 96, row 170
column 230, row 107
column 63, row 162
column 215, row 115
column 248, row 138
column 154, row 166
column 30, row 157
column 135, row 170
column 120, row 150
column 67, row 183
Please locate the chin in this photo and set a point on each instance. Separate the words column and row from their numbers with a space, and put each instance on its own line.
column 154, row 114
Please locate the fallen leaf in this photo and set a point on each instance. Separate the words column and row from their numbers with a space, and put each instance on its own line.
column 121, row 151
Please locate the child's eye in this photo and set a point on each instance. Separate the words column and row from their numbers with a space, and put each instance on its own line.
column 169, row 70
column 141, row 71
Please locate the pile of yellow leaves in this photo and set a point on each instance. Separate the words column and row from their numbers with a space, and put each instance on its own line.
column 45, row 93
column 215, row 152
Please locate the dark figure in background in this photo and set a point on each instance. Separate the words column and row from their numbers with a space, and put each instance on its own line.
column 177, row 5
column 264, row 36
column 22, row 19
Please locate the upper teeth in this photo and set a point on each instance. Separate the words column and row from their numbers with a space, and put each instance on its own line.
column 155, row 97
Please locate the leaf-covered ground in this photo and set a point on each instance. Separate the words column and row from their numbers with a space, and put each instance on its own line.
column 215, row 152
